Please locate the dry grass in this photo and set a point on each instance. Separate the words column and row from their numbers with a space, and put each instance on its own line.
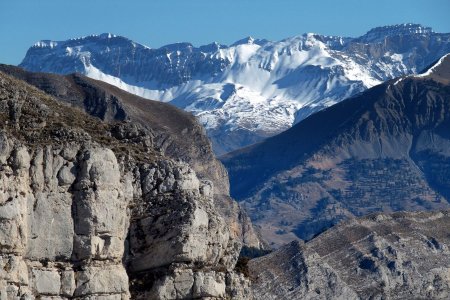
column 44, row 120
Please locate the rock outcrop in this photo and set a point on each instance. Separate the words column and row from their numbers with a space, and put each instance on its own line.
column 397, row 256
column 87, row 213
column 163, row 127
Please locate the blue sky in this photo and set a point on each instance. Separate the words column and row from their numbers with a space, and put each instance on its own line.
column 159, row 22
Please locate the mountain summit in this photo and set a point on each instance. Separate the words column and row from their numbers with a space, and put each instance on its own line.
column 254, row 88
column 380, row 33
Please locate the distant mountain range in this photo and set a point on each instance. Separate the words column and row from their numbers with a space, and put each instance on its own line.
column 386, row 149
column 253, row 88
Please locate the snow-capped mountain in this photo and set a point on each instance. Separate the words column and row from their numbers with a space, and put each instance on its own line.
column 253, row 88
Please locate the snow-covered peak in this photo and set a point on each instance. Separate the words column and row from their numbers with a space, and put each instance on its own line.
column 310, row 35
column 245, row 41
column 105, row 36
column 213, row 47
column 305, row 41
column 250, row 41
column 95, row 39
column 380, row 33
column 178, row 47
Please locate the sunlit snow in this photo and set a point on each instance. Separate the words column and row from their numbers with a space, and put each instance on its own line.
column 256, row 85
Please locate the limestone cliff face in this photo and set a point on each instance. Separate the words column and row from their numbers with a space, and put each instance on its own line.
column 170, row 131
column 85, row 213
column 63, row 221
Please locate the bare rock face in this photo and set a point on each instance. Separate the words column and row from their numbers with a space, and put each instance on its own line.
column 64, row 222
column 161, row 126
column 398, row 256
column 177, row 227
column 84, row 214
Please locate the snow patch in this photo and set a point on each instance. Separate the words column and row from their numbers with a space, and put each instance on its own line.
column 431, row 70
column 397, row 81
column 46, row 44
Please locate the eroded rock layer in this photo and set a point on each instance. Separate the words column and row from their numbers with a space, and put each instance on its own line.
column 398, row 256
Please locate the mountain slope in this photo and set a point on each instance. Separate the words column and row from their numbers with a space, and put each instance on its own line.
column 254, row 88
column 173, row 132
column 382, row 256
column 386, row 149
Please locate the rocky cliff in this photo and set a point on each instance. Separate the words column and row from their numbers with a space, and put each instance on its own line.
column 169, row 130
column 86, row 211
column 382, row 256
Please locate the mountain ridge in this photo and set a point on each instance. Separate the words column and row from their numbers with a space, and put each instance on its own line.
column 395, row 256
column 351, row 165
column 273, row 84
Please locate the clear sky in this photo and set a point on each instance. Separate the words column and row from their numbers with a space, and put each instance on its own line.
column 159, row 22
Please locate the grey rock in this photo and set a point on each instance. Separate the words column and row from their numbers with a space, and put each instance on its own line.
column 177, row 286
column 154, row 125
column 46, row 282
column 209, row 284
column 20, row 160
column 238, row 286
column 67, row 283
column 207, row 189
column 109, row 279
column 50, row 226
column 4, row 148
column 66, row 175
column 188, row 284
column 397, row 256
column 177, row 227
column 14, row 270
